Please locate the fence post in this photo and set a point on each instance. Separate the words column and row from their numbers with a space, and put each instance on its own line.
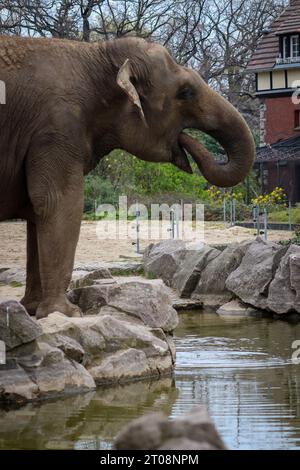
column 137, row 215
column 172, row 228
column 231, row 213
column 290, row 216
column 177, row 222
column 224, row 211
column 266, row 224
column 234, row 210
column 254, row 216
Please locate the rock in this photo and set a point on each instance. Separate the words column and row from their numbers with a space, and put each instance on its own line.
column 103, row 342
column 84, row 331
column 61, row 376
column 180, row 303
column 125, row 339
column 89, row 299
column 116, row 268
column 251, row 280
column 14, row 276
column 295, row 279
column 121, row 366
column 236, row 308
column 182, row 443
column 16, row 386
column 71, row 348
column 87, row 278
column 284, row 290
column 213, row 277
column 151, row 303
column 163, row 259
column 16, row 326
column 155, row 431
column 120, row 334
column 196, row 258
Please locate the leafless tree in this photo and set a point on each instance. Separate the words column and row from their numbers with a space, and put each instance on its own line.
column 216, row 37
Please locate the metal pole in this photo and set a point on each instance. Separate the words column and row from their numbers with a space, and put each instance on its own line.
column 177, row 222
column 234, row 210
column 231, row 213
column 266, row 224
column 258, row 219
column 172, row 228
column 290, row 216
column 137, row 214
column 224, row 211
column 254, row 216
column 248, row 190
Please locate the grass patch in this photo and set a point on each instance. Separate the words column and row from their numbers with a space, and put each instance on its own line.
column 282, row 216
column 16, row 284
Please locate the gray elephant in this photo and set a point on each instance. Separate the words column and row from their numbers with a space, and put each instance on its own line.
column 68, row 104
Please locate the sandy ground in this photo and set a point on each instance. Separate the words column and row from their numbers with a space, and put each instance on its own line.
column 91, row 248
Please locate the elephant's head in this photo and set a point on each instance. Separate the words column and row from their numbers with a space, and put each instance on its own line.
column 159, row 99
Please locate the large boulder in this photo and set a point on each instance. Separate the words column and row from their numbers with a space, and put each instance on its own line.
column 16, row 326
column 195, row 260
column 213, row 278
column 251, row 280
column 284, row 290
column 150, row 302
column 195, row 431
column 162, row 260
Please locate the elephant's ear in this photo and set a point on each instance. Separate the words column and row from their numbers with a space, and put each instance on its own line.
column 123, row 80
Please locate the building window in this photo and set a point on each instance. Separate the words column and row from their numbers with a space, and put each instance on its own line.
column 297, row 119
column 295, row 46
column 286, row 50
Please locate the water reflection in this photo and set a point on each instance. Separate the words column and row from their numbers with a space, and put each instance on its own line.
column 240, row 368
column 87, row 421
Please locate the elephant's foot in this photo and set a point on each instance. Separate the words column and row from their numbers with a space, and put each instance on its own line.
column 61, row 304
column 31, row 305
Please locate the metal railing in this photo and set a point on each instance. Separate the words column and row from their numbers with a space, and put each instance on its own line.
column 287, row 60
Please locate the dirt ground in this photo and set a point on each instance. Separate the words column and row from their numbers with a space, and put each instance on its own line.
column 91, row 248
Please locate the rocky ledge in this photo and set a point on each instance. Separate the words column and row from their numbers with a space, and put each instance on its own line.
column 248, row 276
column 125, row 334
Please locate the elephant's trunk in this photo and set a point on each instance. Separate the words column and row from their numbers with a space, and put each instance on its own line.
column 218, row 118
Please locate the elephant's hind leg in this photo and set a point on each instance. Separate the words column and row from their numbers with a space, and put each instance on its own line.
column 33, row 292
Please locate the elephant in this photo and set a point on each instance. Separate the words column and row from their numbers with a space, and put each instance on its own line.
column 70, row 103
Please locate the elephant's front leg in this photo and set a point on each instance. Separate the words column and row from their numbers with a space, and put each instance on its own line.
column 56, row 193
column 33, row 292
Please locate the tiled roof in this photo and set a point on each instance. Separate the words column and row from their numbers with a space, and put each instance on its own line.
column 288, row 149
column 268, row 48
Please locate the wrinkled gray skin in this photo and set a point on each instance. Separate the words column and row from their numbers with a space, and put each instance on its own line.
column 69, row 104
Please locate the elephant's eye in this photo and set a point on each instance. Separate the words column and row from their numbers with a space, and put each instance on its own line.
column 185, row 93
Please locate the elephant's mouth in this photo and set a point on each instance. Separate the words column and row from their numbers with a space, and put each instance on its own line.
column 180, row 158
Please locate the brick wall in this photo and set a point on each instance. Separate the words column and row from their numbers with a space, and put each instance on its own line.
column 279, row 119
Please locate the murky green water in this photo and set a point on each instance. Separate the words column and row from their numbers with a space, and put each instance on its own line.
column 240, row 368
